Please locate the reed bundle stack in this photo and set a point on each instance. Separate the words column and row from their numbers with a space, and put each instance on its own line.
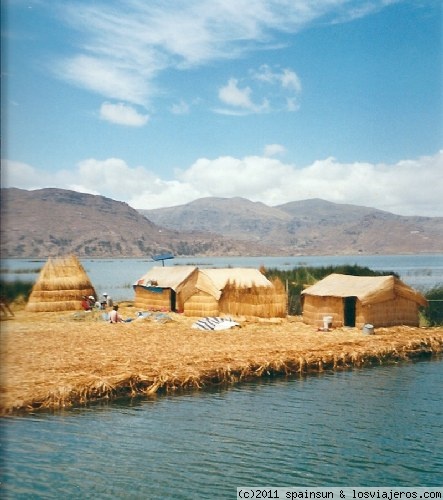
column 60, row 286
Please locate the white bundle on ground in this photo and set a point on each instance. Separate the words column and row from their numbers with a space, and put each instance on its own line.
column 214, row 323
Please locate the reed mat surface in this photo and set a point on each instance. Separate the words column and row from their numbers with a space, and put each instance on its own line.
column 56, row 360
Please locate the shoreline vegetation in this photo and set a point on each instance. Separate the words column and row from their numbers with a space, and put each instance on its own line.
column 52, row 361
column 295, row 280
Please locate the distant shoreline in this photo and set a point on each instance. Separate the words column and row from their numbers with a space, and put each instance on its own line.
column 54, row 361
column 258, row 256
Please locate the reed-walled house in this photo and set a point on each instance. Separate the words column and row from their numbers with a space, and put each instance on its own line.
column 210, row 292
column 165, row 288
column 237, row 292
column 358, row 300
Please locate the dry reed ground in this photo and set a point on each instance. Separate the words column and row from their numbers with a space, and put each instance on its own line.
column 51, row 360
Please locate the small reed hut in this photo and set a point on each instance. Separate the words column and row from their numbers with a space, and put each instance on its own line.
column 358, row 300
column 60, row 286
column 237, row 292
column 165, row 288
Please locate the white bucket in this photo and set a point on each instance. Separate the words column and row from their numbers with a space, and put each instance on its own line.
column 327, row 322
column 368, row 329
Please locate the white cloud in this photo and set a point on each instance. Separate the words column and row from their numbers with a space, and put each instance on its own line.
column 123, row 47
column 106, row 77
column 232, row 95
column 274, row 150
column 278, row 89
column 290, row 80
column 122, row 114
column 286, row 78
column 180, row 108
column 114, row 176
column 285, row 84
column 22, row 175
column 409, row 187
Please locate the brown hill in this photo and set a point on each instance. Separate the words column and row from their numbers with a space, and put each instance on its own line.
column 50, row 222
column 307, row 227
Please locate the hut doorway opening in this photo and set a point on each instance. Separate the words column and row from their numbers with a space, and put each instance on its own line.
column 173, row 299
column 349, row 311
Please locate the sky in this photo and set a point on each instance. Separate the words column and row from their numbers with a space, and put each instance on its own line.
column 158, row 103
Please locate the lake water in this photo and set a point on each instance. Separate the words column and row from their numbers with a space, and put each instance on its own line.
column 373, row 427
column 116, row 276
column 379, row 426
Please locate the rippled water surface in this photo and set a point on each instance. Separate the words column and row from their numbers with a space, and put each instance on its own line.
column 374, row 427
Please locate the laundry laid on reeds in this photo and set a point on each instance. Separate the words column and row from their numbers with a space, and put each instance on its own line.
column 216, row 323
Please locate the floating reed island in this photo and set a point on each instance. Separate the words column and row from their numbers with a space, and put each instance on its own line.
column 53, row 360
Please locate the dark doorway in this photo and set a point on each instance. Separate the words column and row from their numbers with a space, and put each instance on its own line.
column 349, row 313
column 173, row 299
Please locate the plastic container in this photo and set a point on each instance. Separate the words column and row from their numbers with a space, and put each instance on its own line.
column 327, row 322
column 368, row 329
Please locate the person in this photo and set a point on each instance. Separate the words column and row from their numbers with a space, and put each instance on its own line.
column 86, row 306
column 107, row 302
column 91, row 299
column 114, row 316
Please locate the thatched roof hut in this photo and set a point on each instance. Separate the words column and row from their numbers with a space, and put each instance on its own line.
column 165, row 288
column 358, row 300
column 236, row 292
column 60, row 286
column 210, row 292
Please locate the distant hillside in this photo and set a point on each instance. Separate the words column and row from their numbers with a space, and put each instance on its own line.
column 306, row 227
column 50, row 222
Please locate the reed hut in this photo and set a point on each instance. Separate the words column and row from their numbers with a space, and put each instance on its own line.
column 237, row 292
column 358, row 300
column 165, row 288
column 60, row 286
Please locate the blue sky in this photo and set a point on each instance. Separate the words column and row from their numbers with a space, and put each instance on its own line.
column 159, row 103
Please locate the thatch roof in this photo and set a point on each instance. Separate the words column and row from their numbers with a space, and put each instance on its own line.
column 213, row 281
column 210, row 281
column 166, row 277
column 368, row 289
column 60, row 286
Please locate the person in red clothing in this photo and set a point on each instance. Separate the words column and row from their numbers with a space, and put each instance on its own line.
column 85, row 303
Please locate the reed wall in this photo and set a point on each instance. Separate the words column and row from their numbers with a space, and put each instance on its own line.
column 315, row 307
column 399, row 311
column 259, row 302
column 201, row 304
column 148, row 300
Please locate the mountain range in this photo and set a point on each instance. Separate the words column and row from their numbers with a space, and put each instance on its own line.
column 306, row 227
column 50, row 222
